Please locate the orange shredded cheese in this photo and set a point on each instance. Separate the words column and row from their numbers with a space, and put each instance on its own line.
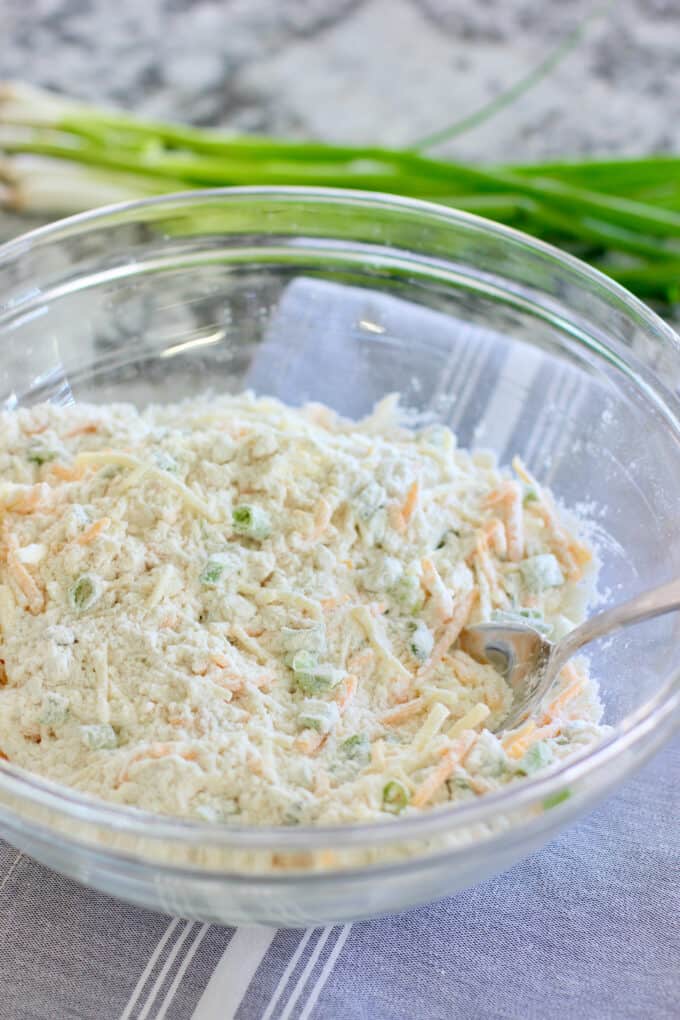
column 396, row 518
column 34, row 596
column 349, row 687
column 451, row 759
column 94, row 530
column 517, row 743
column 411, row 502
column 402, row 712
column 68, row 474
column 154, row 752
column 459, row 617
column 87, row 428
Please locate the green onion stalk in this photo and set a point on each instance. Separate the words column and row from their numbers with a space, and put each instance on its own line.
column 59, row 156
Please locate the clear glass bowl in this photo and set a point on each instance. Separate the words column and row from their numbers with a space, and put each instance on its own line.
column 342, row 297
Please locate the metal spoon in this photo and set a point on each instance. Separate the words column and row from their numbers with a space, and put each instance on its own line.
column 531, row 664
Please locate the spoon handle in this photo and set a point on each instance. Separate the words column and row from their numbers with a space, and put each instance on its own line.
column 649, row 604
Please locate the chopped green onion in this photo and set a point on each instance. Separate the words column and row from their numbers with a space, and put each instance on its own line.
column 395, row 796
column 357, row 748
column 383, row 576
column 444, row 540
column 251, row 521
column 531, row 494
column 99, row 736
column 525, row 617
column 211, row 572
column 369, row 500
column 313, row 678
column 227, row 809
column 54, row 709
column 408, row 593
column 556, row 798
column 85, row 592
column 439, row 436
column 40, row 455
column 308, row 639
column 318, row 715
column 164, row 461
column 421, row 643
column 539, row 756
column 304, row 661
column 291, row 818
column 541, row 572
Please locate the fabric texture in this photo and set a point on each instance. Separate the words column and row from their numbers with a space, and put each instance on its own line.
column 585, row 928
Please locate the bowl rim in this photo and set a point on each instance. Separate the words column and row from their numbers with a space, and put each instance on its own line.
column 661, row 712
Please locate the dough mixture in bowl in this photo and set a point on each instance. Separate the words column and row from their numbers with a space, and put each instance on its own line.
column 232, row 609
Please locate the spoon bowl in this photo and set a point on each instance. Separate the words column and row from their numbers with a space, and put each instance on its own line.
column 522, row 656
column 531, row 664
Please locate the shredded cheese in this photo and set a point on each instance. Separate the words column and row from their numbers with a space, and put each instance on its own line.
column 235, row 610
column 470, row 721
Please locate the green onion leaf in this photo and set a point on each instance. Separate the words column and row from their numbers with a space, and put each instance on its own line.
column 318, row 715
column 40, row 455
column 556, row 798
column 538, row 757
column 212, row 572
column 251, row 522
column 408, row 593
column 85, row 592
column 313, row 678
column 357, row 748
column 368, row 500
column 395, row 797
column 99, row 736
column 308, row 639
column 525, row 617
column 383, row 575
column 622, row 215
column 304, row 661
column 421, row 643
column 54, row 709
column 541, row 572
column 165, row 462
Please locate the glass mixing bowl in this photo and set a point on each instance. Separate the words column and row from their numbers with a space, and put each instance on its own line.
column 342, row 297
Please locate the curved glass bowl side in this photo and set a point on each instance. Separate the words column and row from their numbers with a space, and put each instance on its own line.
column 159, row 299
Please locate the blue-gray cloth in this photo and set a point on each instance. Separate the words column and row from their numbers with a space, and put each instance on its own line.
column 587, row 928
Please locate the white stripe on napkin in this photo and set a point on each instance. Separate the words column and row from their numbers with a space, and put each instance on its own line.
column 285, row 977
column 328, row 969
column 304, row 977
column 232, row 975
column 10, row 871
column 181, row 970
column 164, row 971
column 144, row 976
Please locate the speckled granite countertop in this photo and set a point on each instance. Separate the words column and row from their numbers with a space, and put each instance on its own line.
column 380, row 70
